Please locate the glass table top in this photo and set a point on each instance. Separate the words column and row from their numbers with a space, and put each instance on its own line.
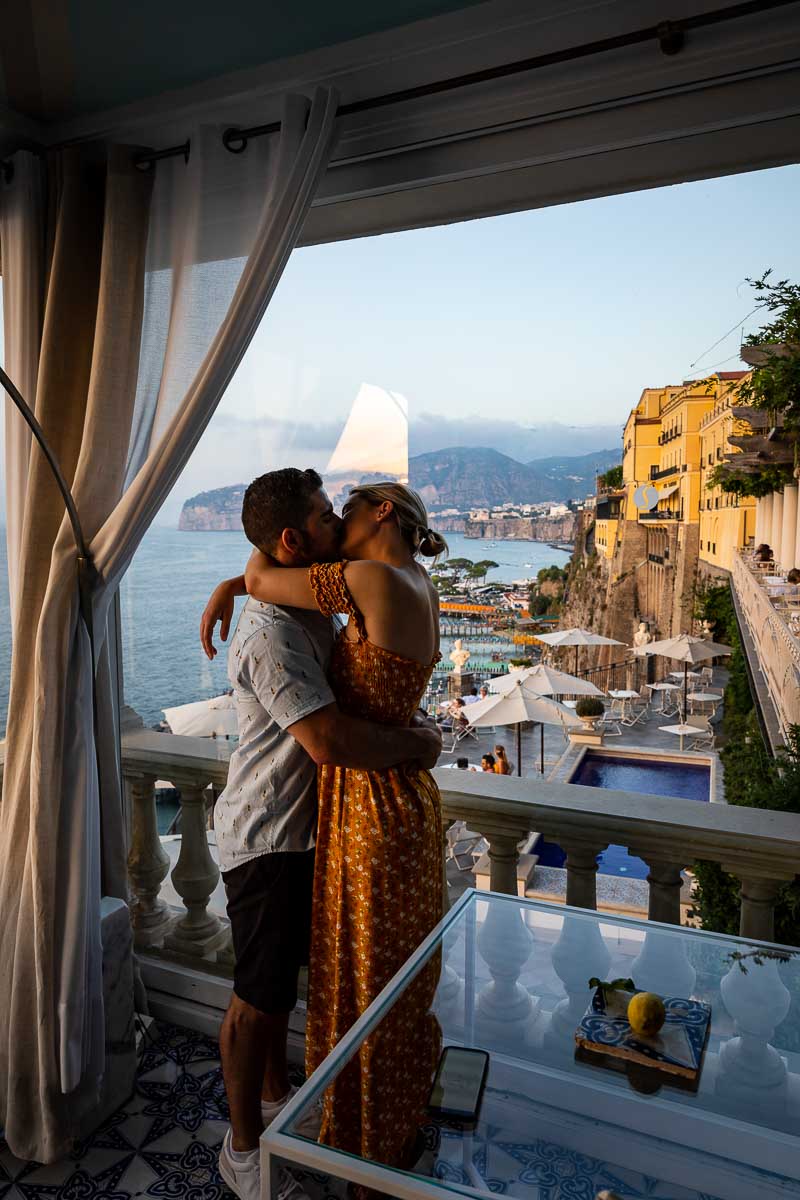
column 511, row 977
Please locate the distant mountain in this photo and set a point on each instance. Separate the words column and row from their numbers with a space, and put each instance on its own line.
column 470, row 477
column 460, row 477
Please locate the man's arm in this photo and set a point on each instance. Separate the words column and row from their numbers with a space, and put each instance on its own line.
column 220, row 608
column 330, row 736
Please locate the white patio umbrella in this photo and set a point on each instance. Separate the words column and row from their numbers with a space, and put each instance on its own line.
column 544, row 681
column 518, row 705
column 576, row 638
column 216, row 717
column 687, row 649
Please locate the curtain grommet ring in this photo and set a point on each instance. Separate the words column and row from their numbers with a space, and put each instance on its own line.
column 671, row 37
column 234, row 140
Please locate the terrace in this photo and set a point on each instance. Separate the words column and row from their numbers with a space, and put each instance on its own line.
column 469, row 113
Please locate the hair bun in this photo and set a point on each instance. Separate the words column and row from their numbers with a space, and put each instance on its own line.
column 432, row 544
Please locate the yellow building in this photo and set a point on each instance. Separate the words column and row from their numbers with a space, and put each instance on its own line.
column 640, row 445
column 727, row 522
column 668, row 439
column 606, row 522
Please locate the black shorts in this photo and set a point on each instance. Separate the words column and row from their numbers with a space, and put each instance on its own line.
column 269, row 907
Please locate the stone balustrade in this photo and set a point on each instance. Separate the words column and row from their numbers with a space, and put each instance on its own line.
column 761, row 848
column 777, row 647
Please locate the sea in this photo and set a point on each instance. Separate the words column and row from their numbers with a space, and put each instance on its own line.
column 166, row 588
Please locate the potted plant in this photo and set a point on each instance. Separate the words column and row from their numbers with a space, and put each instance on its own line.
column 589, row 708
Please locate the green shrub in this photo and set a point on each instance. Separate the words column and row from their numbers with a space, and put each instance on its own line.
column 753, row 778
column 589, row 706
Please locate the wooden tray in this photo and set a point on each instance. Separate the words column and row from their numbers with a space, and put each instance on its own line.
column 675, row 1056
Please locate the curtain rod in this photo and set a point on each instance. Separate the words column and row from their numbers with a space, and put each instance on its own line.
column 670, row 35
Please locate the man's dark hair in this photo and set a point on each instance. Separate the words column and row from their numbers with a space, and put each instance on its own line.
column 474, row 692
column 462, row 764
column 276, row 501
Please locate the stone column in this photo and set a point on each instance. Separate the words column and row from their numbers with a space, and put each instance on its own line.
column 757, row 915
column 796, row 551
column 777, row 524
column 148, row 866
column 788, row 528
column 765, row 508
column 760, row 515
column 194, row 877
column 581, row 867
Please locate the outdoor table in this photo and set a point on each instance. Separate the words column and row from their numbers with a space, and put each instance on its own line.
column 513, row 980
column 689, row 675
column 705, row 697
column 624, row 695
column 665, row 689
column 680, row 731
column 570, row 703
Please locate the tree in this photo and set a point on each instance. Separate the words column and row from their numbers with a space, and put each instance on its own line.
column 459, row 566
column 612, row 478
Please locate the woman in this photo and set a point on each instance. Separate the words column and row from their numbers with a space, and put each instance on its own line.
column 502, row 766
column 378, row 876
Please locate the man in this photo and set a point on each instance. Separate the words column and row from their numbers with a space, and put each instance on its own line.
column 265, row 820
column 472, row 697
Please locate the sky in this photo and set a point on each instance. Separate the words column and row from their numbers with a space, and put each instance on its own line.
column 532, row 333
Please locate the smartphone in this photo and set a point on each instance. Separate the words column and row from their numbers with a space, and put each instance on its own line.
column 458, row 1085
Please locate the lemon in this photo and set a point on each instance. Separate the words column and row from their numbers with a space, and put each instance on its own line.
column 646, row 1013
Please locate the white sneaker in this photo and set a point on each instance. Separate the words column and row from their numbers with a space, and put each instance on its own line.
column 308, row 1125
column 289, row 1188
column 242, row 1176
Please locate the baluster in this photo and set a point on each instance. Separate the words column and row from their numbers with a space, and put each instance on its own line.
column 503, row 859
column 195, row 876
column 757, row 915
column 579, row 954
column 758, row 1001
column 665, row 881
column 148, row 866
column 581, row 867
column 662, row 966
column 450, row 990
column 505, row 1008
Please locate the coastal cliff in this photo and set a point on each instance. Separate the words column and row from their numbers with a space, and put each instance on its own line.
column 220, row 509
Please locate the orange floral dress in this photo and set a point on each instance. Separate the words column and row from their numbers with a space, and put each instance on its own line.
column 377, row 895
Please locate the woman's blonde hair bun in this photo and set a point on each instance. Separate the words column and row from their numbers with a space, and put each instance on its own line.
column 412, row 516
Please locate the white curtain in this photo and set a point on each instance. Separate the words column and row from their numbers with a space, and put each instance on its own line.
column 165, row 344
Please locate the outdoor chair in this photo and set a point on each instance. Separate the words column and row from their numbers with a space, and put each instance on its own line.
column 637, row 714
column 705, row 734
column 609, row 722
column 459, row 734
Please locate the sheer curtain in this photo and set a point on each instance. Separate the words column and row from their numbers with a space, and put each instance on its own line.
column 154, row 288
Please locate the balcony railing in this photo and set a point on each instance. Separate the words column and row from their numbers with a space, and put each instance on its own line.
column 657, row 515
column 655, row 473
column 669, row 834
column 777, row 646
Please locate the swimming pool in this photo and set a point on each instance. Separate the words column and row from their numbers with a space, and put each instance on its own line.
column 631, row 773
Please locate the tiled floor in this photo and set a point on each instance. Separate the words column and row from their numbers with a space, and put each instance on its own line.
column 163, row 1143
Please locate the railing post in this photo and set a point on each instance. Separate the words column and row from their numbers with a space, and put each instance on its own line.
column 148, row 866
column 503, row 859
column 581, row 867
column 665, row 882
column 757, row 915
column 194, row 878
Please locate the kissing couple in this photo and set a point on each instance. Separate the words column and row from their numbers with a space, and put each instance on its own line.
column 329, row 831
